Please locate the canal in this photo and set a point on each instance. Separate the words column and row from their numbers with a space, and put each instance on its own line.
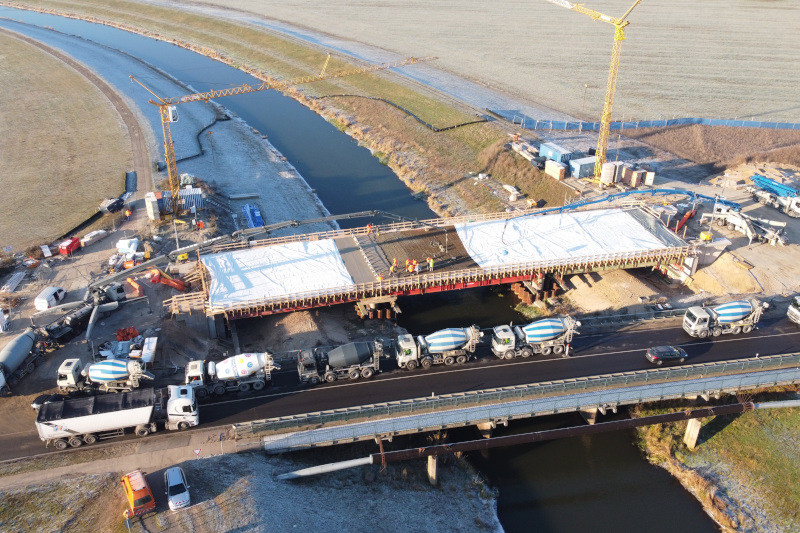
column 598, row 483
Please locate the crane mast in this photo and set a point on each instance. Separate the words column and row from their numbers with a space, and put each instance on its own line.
column 611, row 87
column 168, row 113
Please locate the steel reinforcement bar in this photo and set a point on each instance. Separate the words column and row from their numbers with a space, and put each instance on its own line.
column 660, row 384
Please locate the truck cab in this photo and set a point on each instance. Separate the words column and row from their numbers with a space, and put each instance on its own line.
column 696, row 320
column 195, row 374
column 69, row 376
column 794, row 310
column 182, row 412
column 406, row 350
column 307, row 367
column 503, row 340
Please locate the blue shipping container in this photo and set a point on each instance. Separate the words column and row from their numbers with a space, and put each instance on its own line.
column 583, row 167
column 555, row 153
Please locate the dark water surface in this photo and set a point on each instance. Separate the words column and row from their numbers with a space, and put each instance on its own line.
column 592, row 484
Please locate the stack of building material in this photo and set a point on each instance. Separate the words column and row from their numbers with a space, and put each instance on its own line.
column 151, row 204
column 555, row 170
column 93, row 237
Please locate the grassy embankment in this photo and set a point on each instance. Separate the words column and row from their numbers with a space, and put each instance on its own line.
column 435, row 165
column 755, row 452
column 63, row 145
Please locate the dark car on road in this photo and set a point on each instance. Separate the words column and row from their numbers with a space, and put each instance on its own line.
column 659, row 355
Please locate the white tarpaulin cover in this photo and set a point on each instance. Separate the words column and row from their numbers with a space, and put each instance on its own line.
column 275, row 271
column 557, row 236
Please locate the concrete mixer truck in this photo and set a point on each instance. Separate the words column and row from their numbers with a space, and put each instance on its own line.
column 78, row 421
column 735, row 317
column 113, row 375
column 238, row 373
column 447, row 346
column 350, row 361
column 17, row 359
column 545, row 336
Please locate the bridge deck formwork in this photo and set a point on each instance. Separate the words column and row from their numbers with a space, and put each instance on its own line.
column 269, row 276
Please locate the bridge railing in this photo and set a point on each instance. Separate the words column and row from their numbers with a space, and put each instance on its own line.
column 513, row 394
column 629, row 318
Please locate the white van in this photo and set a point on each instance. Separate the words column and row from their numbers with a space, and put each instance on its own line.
column 49, row 297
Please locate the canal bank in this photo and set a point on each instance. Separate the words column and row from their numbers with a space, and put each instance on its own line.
column 441, row 310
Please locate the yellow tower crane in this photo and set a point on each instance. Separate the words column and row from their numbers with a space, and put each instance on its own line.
column 169, row 113
column 619, row 36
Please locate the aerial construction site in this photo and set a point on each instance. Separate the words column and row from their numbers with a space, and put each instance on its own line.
column 196, row 242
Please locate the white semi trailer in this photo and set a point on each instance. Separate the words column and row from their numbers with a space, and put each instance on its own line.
column 545, row 336
column 238, row 373
column 77, row 421
column 735, row 317
column 447, row 346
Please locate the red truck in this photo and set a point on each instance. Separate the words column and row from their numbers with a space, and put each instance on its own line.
column 69, row 246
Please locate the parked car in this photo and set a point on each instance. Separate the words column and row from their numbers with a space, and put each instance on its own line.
column 49, row 297
column 177, row 490
column 138, row 494
column 45, row 398
column 659, row 355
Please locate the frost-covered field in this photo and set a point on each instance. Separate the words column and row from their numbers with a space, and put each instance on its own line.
column 713, row 58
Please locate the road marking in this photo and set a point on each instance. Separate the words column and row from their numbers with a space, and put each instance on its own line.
column 504, row 365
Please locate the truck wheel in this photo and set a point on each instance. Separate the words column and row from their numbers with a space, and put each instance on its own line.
column 29, row 367
column 367, row 373
column 703, row 334
column 201, row 393
column 219, row 389
column 330, row 378
column 427, row 363
column 38, row 361
column 737, row 330
column 354, row 373
column 547, row 350
column 411, row 365
column 60, row 444
column 449, row 360
column 716, row 332
column 75, row 442
column 526, row 352
column 509, row 354
column 183, row 425
column 244, row 387
column 258, row 385
column 142, row 431
column 747, row 329
column 720, row 222
column 461, row 359
column 314, row 380
column 89, row 439
column 558, row 350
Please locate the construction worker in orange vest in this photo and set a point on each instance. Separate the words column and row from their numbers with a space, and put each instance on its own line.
column 127, row 214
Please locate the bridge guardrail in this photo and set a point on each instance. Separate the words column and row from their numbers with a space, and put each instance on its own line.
column 509, row 394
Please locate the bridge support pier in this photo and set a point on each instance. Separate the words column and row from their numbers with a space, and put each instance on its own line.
column 589, row 415
column 433, row 464
column 692, row 432
column 486, row 429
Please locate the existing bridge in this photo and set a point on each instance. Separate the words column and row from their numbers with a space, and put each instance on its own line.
column 262, row 277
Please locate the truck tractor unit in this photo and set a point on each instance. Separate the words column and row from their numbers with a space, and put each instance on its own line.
column 794, row 310
column 238, row 373
column 78, row 421
column 350, row 361
column 17, row 359
column 736, row 317
column 546, row 336
column 447, row 346
column 113, row 375
column 767, row 191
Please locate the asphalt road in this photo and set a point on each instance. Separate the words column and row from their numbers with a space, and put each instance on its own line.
column 591, row 355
